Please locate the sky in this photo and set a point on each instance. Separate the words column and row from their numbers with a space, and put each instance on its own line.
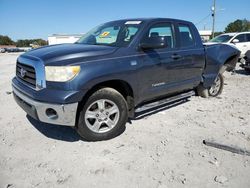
column 27, row 19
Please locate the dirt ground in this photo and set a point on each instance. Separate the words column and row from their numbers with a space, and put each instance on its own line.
column 164, row 149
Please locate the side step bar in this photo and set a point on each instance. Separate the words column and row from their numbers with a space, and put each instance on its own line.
column 164, row 101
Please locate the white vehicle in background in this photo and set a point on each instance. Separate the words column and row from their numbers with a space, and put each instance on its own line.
column 239, row 40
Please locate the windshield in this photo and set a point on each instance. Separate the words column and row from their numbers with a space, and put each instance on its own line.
column 118, row 34
column 221, row 38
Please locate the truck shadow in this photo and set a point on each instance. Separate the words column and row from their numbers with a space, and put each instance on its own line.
column 68, row 134
column 57, row 132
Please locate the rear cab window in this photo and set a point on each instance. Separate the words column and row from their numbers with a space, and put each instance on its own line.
column 186, row 36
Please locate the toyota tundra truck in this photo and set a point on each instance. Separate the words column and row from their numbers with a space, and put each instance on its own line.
column 117, row 70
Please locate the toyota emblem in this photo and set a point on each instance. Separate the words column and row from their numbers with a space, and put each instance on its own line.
column 23, row 72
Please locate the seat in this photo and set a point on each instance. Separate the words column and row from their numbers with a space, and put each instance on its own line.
column 154, row 34
column 168, row 40
column 185, row 39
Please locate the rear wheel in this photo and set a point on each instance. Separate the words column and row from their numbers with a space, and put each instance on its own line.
column 217, row 87
column 214, row 90
column 103, row 116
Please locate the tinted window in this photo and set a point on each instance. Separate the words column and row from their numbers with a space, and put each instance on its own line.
column 241, row 38
column 107, row 35
column 186, row 36
column 162, row 30
column 131, row 31
column 248, row 37
column 117, row 33
column 222, row 38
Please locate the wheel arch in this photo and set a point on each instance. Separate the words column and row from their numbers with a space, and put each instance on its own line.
column 121, row 86
column 229, row 64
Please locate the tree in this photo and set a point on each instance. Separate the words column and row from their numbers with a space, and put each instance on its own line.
column 218, row 33
column 41, row 42
column 5, row 40
column 23, row 43
column 28, row 42
column 238, row 26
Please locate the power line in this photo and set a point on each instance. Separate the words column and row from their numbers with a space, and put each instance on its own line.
column 203, row 19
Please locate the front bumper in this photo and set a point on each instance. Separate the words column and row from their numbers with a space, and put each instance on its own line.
column 45, row 112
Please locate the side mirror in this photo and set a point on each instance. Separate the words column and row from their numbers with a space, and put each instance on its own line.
column 235, row 41
column 153, row 43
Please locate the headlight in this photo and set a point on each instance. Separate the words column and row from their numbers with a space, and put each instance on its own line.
column 61, row 73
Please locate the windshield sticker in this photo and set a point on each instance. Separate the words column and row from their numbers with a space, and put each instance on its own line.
column 133, row 22
column 104, row 34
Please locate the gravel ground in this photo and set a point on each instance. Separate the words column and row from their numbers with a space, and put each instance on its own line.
column 164, row 149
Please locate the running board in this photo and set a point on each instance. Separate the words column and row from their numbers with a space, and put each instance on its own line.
column 164, row 101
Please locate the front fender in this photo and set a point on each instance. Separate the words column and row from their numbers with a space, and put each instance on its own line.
column 95, row 73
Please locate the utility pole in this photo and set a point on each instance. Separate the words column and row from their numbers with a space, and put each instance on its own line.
column 213, row 15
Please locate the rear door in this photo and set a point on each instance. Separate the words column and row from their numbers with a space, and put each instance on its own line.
column 192, row 55
column 172, row 69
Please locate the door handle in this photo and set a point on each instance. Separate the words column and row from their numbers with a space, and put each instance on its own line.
column 175, row 56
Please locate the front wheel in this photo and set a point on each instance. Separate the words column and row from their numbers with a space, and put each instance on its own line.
column 103, row 116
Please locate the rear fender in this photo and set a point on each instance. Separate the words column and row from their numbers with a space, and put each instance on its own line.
column 219, row 58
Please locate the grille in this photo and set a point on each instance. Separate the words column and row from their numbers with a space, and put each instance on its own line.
column 26, row 73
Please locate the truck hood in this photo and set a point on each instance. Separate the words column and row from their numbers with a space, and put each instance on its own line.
column 64, row 54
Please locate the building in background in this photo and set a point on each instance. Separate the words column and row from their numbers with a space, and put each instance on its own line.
column 63, row 38
column 205, row 35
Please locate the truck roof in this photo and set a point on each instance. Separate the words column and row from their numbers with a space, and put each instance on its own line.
column 154, row 19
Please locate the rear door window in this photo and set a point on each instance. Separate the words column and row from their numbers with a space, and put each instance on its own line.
column 186, row 36
column 248, row 37
column 241, row 38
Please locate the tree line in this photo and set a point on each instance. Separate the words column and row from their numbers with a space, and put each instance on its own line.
column 5, row 40
column 236, row 26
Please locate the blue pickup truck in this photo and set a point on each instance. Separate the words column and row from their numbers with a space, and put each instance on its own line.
column 117, row 70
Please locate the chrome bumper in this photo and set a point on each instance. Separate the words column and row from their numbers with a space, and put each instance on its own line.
column 65, row 113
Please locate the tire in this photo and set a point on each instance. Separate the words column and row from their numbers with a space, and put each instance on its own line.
column 103, row 116
column 215, row 90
